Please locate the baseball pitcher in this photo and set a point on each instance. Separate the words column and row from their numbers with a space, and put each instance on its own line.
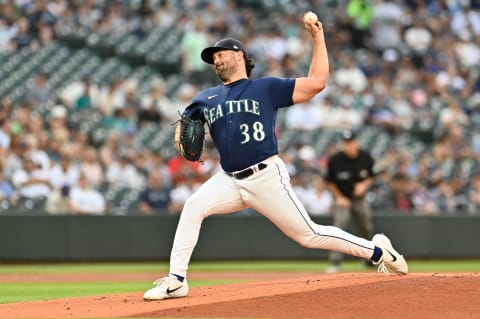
column 240, row 114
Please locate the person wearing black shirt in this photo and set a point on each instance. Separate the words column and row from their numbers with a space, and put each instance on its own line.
column 349, row 176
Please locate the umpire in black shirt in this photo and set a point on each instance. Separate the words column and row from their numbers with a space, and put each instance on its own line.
column 349, row 176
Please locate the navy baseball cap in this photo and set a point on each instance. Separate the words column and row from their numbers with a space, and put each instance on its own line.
column 224, row 44
column 348, row 135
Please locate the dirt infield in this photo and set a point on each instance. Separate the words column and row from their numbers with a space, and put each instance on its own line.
column 347, row 295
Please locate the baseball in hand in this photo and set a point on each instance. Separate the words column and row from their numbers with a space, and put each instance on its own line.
column 310, row 17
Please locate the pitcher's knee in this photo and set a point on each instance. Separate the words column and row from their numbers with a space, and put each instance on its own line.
column 194, row 207
column 309, row 240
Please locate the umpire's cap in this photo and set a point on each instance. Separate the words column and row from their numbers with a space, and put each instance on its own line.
column 224, row 44
column 348, row 135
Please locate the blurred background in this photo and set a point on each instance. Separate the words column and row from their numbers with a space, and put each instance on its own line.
column 89, row 91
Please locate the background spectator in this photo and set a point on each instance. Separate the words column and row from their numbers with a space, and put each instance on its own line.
column 85, row 200
column 7, row 191
column 320, row 201
column 121, row 173
column 91, row 168
column 181, row 192
column 155, row 197
column 39, row 92
column 193, row 42
column 31, row 181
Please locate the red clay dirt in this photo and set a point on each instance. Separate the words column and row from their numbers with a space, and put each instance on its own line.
column 314, row 295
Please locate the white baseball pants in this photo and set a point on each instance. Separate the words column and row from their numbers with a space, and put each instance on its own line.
column 268, row 192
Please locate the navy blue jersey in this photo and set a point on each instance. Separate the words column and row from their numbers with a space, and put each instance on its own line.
column 241, row 117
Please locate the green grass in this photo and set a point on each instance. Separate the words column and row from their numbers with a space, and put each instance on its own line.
column 26, row 291
column 82, row 268
column 14, row 292
column 163, row 267
column 44, row 291
column 470, row 265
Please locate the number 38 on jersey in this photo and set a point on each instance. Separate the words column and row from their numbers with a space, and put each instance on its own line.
column 256, row 132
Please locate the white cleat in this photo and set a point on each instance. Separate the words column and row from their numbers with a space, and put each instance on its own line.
column 166, row 288
column 391, row 261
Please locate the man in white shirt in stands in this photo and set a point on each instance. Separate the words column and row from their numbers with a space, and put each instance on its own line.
column 31, row 181
column 86, row 200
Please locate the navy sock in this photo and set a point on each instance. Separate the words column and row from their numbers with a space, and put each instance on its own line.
column 180, row 278
column 377, row 254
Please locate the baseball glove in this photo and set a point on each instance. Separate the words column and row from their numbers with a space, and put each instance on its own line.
column 190, row 140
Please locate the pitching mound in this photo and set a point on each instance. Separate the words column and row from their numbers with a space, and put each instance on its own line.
column 348, row 295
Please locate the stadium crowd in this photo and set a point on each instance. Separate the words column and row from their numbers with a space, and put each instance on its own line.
column 408, row 68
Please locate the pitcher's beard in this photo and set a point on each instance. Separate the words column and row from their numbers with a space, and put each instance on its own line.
column 225, row 73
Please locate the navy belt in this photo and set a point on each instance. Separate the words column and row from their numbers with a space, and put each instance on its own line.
column 248, row 171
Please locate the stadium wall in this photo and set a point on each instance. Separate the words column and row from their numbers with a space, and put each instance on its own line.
column 136, row 238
